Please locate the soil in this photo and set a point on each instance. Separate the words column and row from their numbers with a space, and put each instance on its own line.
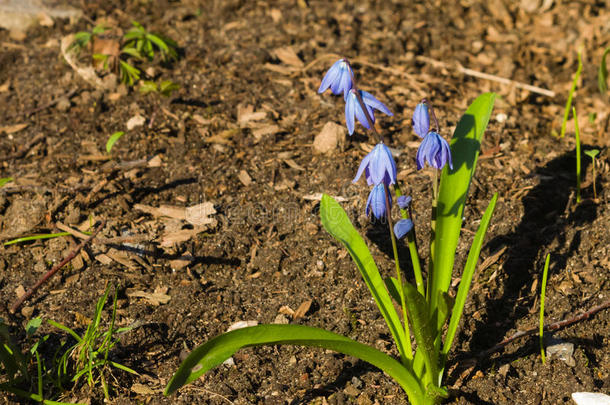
column 248, row 103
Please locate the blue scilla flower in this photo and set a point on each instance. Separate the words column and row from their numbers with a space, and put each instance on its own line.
column 376, row 201
column 435, row 150
column 403, row 202
column 338, row 78
column 353, row 109
column 378, row 166
column 402, row 227
column 421, row 120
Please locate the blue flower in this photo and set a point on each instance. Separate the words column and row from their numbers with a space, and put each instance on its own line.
column 435, row 150
column 338, row 78
column 403, row 202
column 378, row 166
column 376, row 201
column 353, row 109
column 402, row 227
column 421, row 120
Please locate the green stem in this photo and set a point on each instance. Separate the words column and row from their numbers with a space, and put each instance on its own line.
column 403, row 304
column 412, row 243
column 577, row 136
column 432, row 236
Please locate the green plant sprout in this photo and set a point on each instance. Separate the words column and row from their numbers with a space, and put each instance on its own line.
column 15, row 363
column 137, row 44
column 592, row 153
column 545, row 272
column 602, row 73
column 5, row 180
column 165, row 88
column 566, row 112
column 91, row 351
column 577, row 137
column 419, row 373
column 112, row 140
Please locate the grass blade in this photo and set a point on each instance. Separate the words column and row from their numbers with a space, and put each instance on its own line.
column 602, row 74
column 566, row 112
column 112, row 140
column 545, row 272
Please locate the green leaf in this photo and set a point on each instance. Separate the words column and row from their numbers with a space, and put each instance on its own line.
column 32, row 326
column 392, row 285
column 112, row 140
column 469, row 269
column 5, row 180
column 592, row 153
column 423, row 327
column 566, row 112
column 167, row 87
column 148, row 86
column 129, row 74
column 336, row 222
column 453, row 191
column 132, row 52
column 602, row 74
column 217, row 350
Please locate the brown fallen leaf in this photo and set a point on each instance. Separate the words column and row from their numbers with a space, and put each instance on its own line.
column 288, row 56
column 245, row 114
column 163, row 211
column 173, row 238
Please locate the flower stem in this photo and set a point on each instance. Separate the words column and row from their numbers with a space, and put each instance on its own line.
column 412, row 243
column 403, row 304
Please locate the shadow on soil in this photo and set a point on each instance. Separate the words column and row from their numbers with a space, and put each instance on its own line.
column 550, row 214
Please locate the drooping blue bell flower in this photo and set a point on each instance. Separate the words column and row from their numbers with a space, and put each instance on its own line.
column 338, row 78
column 435, row 150
column 353, row 109
column 376, row 201
column 403, row 202
column 421, row 120
column 378, row 166
column 402, row 227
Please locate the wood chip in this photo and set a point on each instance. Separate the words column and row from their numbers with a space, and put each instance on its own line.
column 199, row 214
column 286, row 310
column 329, row 139
column 288, row 56
column 154, row 298
column 245, row 178
column 173, row 238
column 245, row 114
column 11, row 129
column 163, row 211
column 302, row 309
column 294, row 164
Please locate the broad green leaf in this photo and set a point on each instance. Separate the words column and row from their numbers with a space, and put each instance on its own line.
column 592, row 153
column 469, row 269
column 336, row 222
column 453, row 191
column 112, row 140
column 392, row 285
column 423, row 327
column 32, row 326
column 602, row 74
column 5, row 180
column 217, row 350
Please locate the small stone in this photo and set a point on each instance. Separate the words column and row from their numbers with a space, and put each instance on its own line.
column 331, row 136
column 351, row 390
column 135, row 121
column 504, row 369
column 356, row 382
column 281, row 320
column 320, row 265
column 63, row 104
column 590, row 398
column 564, row 351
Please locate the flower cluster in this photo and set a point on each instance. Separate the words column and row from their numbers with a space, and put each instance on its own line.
column 434, row 148
column 340, row 79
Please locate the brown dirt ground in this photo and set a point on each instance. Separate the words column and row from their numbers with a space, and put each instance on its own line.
column 268, row 249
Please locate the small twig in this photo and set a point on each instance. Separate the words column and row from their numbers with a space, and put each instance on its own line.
column 487, row 76
column 547, row 328
column 104, row 241
column 55, row 269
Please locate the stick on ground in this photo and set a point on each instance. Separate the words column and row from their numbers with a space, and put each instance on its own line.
column 55, row 269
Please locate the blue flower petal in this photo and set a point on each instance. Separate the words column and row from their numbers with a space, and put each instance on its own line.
column 421, row 120
column 435, row 150
column 363, row 167
column 361, row 116
column 376, row 201
column 403, row 202
column 402, row 227
column 371, row 101
column 331, row 76
column 350, row 104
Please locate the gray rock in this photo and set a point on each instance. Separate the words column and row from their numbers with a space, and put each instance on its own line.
column 561, row 350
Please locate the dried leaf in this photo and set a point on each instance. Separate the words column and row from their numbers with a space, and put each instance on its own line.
column 302, row 309
column 11, row 129
column 199, row 214
column 288, row 56
column 154, row 298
